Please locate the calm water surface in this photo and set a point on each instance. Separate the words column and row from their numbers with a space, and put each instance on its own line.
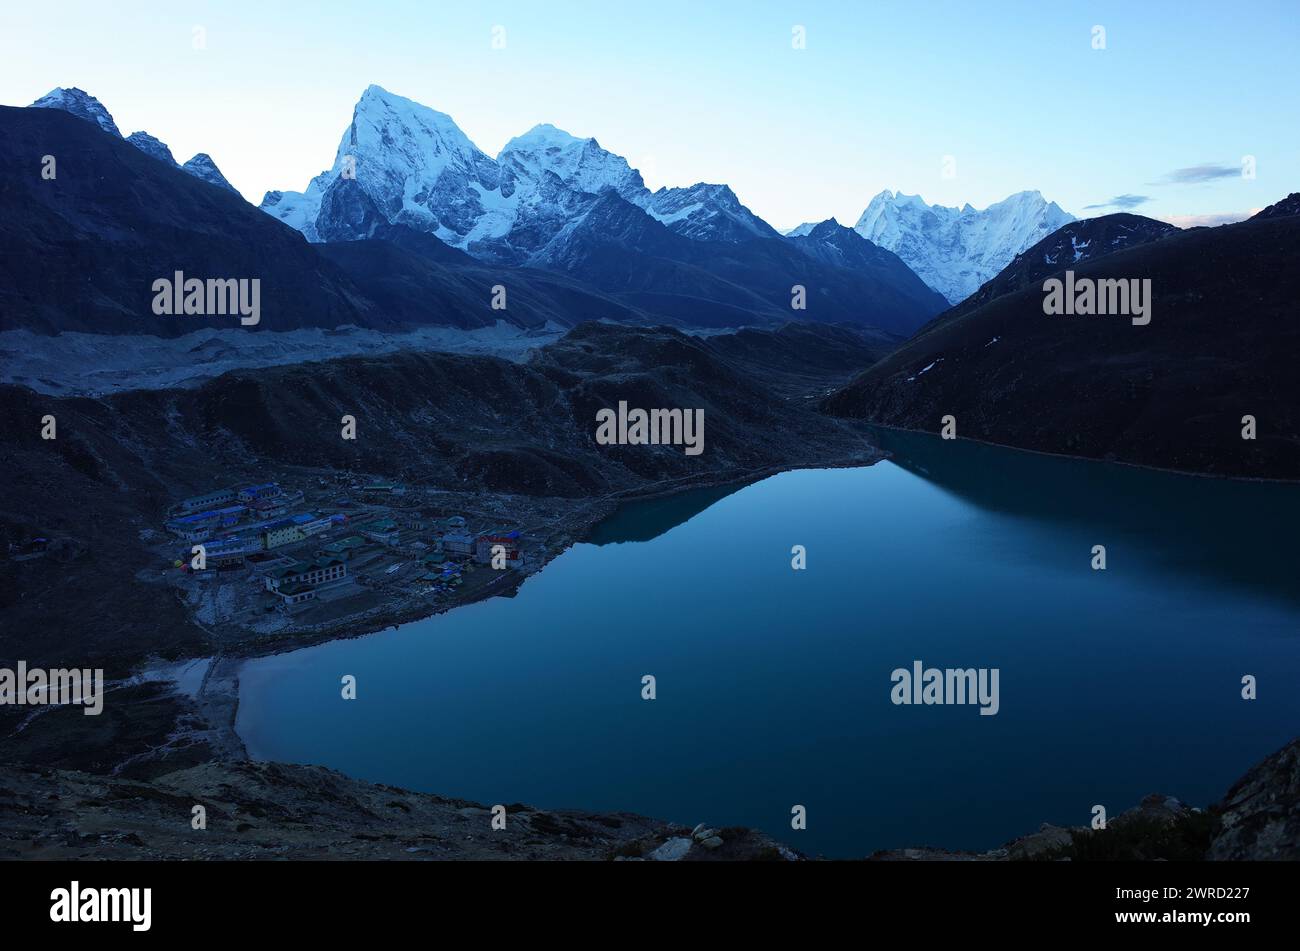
column 774, row 684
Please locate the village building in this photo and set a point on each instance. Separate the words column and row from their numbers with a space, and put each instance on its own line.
column 321, row 573
column 458, row 543
column 447, row 573
column 384, row 531
column 226, row 552
column 276, row 507
column 295, row 528
column 484, row 545
column 283, row 535
column 344, row 548
column 207, row 500
column 200, row 526
column 293, row 596
column 264, row 492
column 314, row 526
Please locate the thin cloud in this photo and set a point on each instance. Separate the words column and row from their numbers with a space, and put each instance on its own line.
column 1195, row 174
column 1122, row 201
column 1209, row 221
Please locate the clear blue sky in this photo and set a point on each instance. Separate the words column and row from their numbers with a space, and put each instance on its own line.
column 691, row 92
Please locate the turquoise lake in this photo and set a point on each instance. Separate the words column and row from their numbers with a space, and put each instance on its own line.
column 773, row 685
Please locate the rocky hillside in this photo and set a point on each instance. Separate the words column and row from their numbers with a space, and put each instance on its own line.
column 1068, row 246
column 1260, row 815
column 1220, row 345
column 84, row 248
column 278, row 811
column 1288, row 207
column 617, row 247
column 466, row 423
column 1257, row 821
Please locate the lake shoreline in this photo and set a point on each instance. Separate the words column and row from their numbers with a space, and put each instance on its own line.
column 1110, row 462
column 219, row 700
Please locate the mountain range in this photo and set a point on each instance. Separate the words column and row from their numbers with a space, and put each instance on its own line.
column 956, row 250
column 416, row 167
column 566, row 225
column 414, row 225
column 83, row 250
column 83, row 105
column 551, row 200
column 419, row 169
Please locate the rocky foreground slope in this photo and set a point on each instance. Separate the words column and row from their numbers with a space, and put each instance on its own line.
column 277, row 811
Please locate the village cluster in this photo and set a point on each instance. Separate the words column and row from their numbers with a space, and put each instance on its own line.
column 269, row 549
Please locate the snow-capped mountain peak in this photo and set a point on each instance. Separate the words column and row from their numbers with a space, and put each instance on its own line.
column 404, row 163
column 83, row 105
column 150, row 146
column 79, row 103
column 706, row 212
column 386, row 123
column 955, row 250
column 541, row 137
column 581, row 164
column 202, row 166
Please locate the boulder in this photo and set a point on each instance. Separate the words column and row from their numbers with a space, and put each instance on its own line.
column 1260, row 814
column 672, row 850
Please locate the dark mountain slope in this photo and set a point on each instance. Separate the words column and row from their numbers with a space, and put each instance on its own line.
column 1066, row 247
column 804, row 359
column 619, row 248
column 898, row 289
column 1222, row 344
column 1286, row 208
column 81, row 251
column 414, row 278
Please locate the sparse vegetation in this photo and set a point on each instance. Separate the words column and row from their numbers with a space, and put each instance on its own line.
column 1142, row 839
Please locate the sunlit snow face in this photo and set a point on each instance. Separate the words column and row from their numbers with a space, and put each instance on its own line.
column 421, row 170
column 955, row 250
